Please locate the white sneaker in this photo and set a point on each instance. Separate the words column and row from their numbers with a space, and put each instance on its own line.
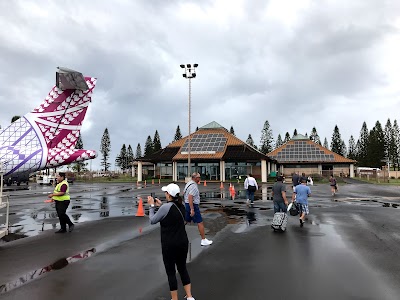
column 189, row 298
column 206, row 242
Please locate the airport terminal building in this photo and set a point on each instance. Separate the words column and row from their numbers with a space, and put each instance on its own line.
column 302, row 155
column 215, row 153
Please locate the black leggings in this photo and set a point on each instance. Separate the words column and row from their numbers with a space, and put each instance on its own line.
column 176, row 256
column 61, row 208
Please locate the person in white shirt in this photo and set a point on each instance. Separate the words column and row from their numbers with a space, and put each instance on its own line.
column 250, row 185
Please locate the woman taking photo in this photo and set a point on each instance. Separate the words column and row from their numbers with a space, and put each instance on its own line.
column 174, row 241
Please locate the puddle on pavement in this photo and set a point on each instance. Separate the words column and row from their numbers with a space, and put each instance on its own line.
column 57, row 265
column 371, row 202
column 30, row 222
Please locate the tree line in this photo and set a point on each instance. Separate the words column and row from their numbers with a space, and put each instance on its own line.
column 373, row 148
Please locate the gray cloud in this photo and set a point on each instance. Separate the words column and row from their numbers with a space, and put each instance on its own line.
column 298, row 70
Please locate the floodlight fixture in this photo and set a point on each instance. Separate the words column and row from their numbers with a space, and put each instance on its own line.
column 188, row 65
column 195, row 65
column 182, row 66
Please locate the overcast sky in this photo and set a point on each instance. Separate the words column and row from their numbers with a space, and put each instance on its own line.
column 297, row 64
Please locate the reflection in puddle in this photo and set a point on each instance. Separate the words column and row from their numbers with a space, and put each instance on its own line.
column 57, row 265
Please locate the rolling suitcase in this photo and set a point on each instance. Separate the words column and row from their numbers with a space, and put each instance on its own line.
column 279, row 222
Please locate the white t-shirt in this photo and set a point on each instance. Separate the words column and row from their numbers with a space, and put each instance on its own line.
column 250, row 181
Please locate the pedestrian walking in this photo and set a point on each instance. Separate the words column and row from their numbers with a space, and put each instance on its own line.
column 295, row 182
column 192, row 202
column 174, row 240
column 250, row 185
column 302, row 192
column 333, row 185
column 62, row 199
column 279, row 195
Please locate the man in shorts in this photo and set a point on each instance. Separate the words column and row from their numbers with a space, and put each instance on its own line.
column 192, row 201
column 302, row 192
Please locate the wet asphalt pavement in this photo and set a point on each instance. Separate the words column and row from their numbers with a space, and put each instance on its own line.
column 349, row 247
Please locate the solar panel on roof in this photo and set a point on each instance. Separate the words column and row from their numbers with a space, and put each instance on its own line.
column 303, row 151
column 205, row 143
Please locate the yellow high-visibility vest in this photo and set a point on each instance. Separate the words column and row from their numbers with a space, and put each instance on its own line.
column 58, row 189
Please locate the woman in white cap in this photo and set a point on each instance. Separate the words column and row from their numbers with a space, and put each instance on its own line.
column 174, row 240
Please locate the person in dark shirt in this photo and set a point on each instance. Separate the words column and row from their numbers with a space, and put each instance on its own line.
column 174, row 240
column 279, row 195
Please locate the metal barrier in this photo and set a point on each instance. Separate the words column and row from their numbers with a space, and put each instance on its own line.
column 4, row 203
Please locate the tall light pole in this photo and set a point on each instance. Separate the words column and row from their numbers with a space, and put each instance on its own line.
column 190, row 72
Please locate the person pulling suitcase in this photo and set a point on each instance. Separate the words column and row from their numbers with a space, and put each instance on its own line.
column 280, row 205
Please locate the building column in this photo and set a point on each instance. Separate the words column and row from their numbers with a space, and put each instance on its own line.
column 319, row 169
column 264, row 171
column 139, row 171
column 351, row 170
column 268, row 168
column 174, row 171
column 222, row 170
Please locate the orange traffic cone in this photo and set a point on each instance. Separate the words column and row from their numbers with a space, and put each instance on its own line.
column 140, row 210
column 221, row 186
column 205, row 182
column 233, row 193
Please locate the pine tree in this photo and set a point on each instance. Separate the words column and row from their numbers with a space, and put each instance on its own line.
column 130, row 156
column 376, row 146
column 344, row 149
column 336, row 144
column 396, row 145
column 156, row 142
column 390, row 143
column 352, row 154
column 326, row 144
column 178, row 134
column 121, row 160
column 287, row 138
column 314, row 136
column 362, row 145
column 138, row 151
column 250, row 141
column 148, row 146
column 279, row 141
column 294, row 132
column 267, row 141
column 105, row 149
column 232, row 131
column 15, row 118
column 79, row 166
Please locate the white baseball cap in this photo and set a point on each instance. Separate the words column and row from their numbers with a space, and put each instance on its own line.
column 172, row 189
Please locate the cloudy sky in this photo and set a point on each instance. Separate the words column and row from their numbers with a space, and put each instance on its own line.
column 297, row 64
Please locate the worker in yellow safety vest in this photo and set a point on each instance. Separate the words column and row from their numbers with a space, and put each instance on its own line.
column 62, row 200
